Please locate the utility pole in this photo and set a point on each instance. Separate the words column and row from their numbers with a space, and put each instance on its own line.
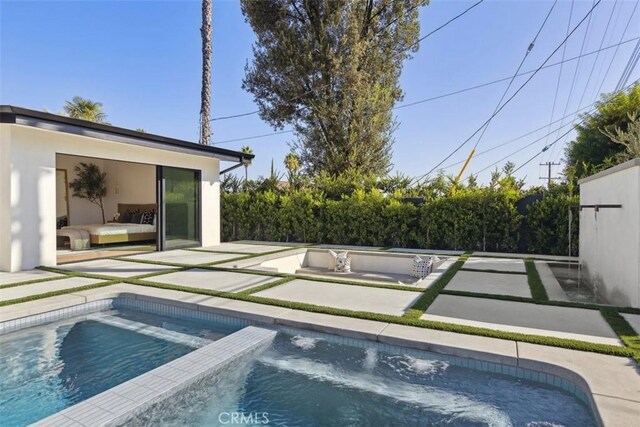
column 549, row 178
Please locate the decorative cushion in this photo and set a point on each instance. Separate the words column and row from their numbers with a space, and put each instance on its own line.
column 341, row 261
column 132, row 216
column 421, row 267
column 147, row 217
column 135, row 216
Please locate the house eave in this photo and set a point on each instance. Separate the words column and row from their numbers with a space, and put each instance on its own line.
column 56, row 123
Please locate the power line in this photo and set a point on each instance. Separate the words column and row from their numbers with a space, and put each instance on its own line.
column 624, row 32
column 449, row 21
column 468, row 89
column 575, row 73
column 631, row 64
column 528, row 51
column 595, row 61
column 411, row 104
column 252, row 137
column 558, row 139
column 550, row 132
column 564, row 50
column 516, row 92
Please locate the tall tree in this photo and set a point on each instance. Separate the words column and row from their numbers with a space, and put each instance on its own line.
column 205, row 95
column 85, row 109
column 593, row 148
column 246, row 150
column 330, row 69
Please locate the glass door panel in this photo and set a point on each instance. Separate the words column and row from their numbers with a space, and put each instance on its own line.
column 181, row 208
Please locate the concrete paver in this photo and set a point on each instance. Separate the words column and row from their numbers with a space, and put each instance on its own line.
column 214, row 280
column 564, row 322
column 498, row 264
column 45, row 287
column 181, row 256
column 242, row 248
column 25, row 276
column 550, row 283
column 349, row 297
column 634, row 321
column 114, row 268
column 516, row 285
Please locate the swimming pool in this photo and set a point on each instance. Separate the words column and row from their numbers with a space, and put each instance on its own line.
column 48, row 368
column 300, row 378
column 311, row 379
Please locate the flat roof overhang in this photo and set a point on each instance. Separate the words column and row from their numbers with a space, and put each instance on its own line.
column 53, row 122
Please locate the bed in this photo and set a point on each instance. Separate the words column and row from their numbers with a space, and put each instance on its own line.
column 120, row 232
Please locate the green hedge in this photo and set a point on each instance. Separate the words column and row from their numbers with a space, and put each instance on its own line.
column 482, row 219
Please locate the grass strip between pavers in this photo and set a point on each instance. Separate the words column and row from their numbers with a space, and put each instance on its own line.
column 266, row 286
column 408, row 321
column 538, row 292
column 623, row 329
column 477, row 270
column 31, row 282
column 57, row 293
column 432, row 292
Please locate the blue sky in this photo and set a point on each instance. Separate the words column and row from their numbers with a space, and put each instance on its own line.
column 142, row 61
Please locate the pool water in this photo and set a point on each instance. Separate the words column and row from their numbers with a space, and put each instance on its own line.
column 308, row 381
column 48, row 368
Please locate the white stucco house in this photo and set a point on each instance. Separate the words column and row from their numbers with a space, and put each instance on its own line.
column 610, row 232
column 177, row 181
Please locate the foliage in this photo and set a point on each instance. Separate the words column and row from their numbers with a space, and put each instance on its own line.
column 363, row 210
column 85, row 109
column 630, row 139
column 91, row 184
column 331, row 71
column 593, row 150
column 246, row 150
column 548, row 223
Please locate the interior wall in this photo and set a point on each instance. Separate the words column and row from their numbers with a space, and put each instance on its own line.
column 126, row 183
column 132, row 183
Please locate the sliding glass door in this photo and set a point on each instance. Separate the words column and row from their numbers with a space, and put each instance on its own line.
column 179, row 206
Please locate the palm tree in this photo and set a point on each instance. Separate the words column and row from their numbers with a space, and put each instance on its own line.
column 292, row 163
column 85, row 109
column 205, row 95
column 246, row 150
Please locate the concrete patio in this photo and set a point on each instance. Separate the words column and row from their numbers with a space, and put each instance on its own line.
column 483, row 275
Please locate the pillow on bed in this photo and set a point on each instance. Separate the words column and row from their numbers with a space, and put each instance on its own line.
column 147, row 217
column 132, row 216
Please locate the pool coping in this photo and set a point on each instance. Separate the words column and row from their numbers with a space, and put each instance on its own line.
column 610, row 382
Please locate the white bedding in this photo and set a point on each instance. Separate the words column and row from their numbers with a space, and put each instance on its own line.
column 114, row 228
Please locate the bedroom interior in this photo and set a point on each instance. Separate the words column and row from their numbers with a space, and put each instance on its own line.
column 129, row 203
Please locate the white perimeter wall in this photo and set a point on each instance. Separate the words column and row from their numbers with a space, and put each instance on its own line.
column 610, row 238
column 28, row 188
